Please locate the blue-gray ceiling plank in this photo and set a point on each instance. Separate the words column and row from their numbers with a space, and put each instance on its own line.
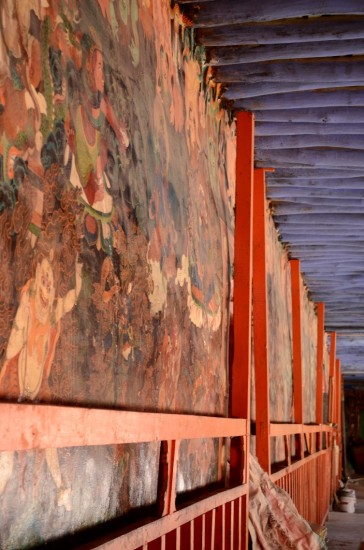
column 307, row 140
column 346, row 70
column 232, row 55
column 237, row 90
column 306, row 30
column 342, row 115
column 215, row 13
column 340, row 97
column 298, row 128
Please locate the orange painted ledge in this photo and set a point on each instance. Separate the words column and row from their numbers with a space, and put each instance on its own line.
column 29, row 426
column 293, row 429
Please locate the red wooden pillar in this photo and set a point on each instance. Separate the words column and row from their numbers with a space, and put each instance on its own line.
column 297, row 348
column 332, row 405
column 240, row 376
column 332, row 376
column 297, row 341
column 260, row 313
column 240, row 389
column 320, row 361
column 319, row 368
column 338, row 419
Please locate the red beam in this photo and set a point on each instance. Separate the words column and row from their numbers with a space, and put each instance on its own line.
column 297, row 341
column 277, row 430
column 260, row 312
column 42, row 426
column 320, row 361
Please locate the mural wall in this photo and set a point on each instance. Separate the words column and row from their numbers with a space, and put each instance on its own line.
column 279, row 326
column 309, row 357
column 116, row 223
column 280, row 341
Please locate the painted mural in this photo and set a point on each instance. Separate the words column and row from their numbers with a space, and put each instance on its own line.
column 309, row 358
column 116, row 220
column 279, row 326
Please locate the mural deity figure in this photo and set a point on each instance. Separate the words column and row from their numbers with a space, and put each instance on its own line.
column 31, row 349
column 90, row 148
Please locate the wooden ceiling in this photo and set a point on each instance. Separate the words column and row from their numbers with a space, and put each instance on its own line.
column 299, row 66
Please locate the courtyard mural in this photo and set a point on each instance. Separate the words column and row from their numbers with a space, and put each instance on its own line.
column 116, row 225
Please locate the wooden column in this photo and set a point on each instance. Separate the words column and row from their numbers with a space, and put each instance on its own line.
column 297, row 351
column 319, row 367
column 260, row 313
column 240, row 387
column 240, row 375
column 337, row 417
column 297, row 341
column 332, row 376
column 338, row 421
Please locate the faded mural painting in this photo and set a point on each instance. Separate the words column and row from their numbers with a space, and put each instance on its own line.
column 116, row 219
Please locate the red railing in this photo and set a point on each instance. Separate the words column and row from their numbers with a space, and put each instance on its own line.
column 219, row 520
column 307, row 477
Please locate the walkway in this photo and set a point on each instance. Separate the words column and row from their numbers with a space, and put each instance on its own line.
column 346, row 531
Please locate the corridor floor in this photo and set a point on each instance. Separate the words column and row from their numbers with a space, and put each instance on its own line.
column 346, row 531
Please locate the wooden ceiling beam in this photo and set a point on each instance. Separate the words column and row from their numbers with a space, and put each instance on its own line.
column 318, row 240
column 319, row 281
column 289, row 233
column 298, row 128
column 310, row 200
column 352, row 281
column 232, row 55
column 322, row 221
column 345, row 70
column 339, row 300
column 300, row 192
column 302, row 249
column 239, row 90
column 352, row 265
column 308, row 140
column 229, row 12
column 326, row 250
column 352, row 115
column 317, row 202
column 305, row 174
column 316, row 156
column 341, row 326
column 320, row 177
column 302, row 30
column 331, row 281
column 339, row 303
column 315, row 98
column 287, row 208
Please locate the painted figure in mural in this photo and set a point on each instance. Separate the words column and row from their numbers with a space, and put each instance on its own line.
column 89, row 147
column 36, row 328
column 31, row 349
